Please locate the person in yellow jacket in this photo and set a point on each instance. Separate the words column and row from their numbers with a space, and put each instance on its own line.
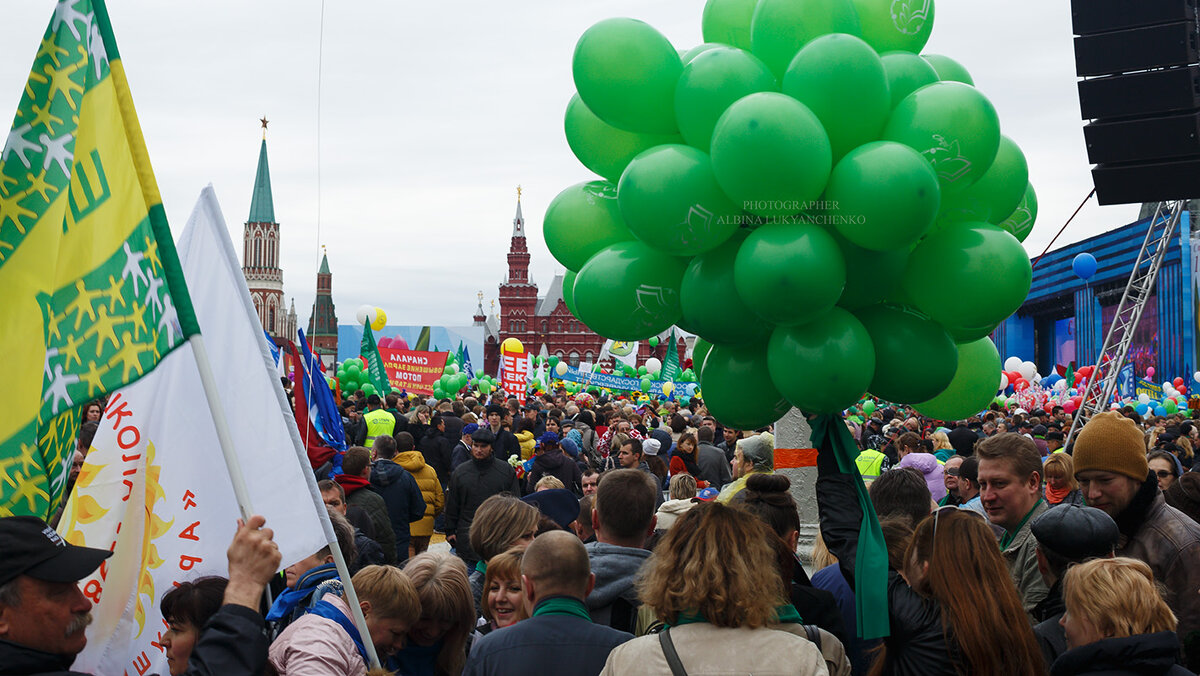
column 380, row 423
column 431, row 491
column 525, row 438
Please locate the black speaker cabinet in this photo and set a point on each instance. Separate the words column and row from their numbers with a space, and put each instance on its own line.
column 1172, row 44
column 1143, row 140
column 1099, row 16
column 1147, row 182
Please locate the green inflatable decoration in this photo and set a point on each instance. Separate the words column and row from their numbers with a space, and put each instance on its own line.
column 671, row 201
column 710, row 83
column 823, row 366
column 625, row 72
column 914, row 357
column 973, row 386
column 629, row 291
column 582, row 220
column 889, row 25
column 789, row 274
column 771, row 155
column 906, row 73
column 948, row 69
column 886, row 194
column 602, row 147
column 954, row 126
column 738, row 390
column 780, row 28
column 728, row 22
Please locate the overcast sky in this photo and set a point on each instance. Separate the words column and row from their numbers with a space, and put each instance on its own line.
column 433, row 113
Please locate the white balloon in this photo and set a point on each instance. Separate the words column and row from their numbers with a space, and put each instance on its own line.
column 560, row 369
column 366, row 314
column 1003, row 382
column 653, row 364
column 1196, row 376
column 1028, row 371
column 1060, row 386
column 1143, row 398
column 1166, row 384
column 1012, row 364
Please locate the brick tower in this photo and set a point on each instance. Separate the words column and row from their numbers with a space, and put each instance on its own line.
column 260, row 251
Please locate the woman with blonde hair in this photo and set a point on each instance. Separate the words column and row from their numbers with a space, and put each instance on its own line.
column 437, row 643
column 1061, row 487
column 942, row 449
column 1116, row 621
column 715, row 583
column 503, row 601
column 683, row 490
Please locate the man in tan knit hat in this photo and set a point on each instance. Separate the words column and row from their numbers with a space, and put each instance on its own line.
column 1113, row 475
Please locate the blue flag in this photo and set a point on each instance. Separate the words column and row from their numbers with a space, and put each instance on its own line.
column 322, row 410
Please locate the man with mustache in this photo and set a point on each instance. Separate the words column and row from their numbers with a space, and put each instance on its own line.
column 43, row 612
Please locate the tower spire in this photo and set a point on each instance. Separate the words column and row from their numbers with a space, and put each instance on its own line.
column 262, row 206
column 518, row 220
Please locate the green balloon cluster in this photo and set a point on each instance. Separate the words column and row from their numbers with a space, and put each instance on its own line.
column 831, row 211
column 352, row 375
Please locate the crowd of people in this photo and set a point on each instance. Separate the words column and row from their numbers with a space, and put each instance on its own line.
column 603, row 535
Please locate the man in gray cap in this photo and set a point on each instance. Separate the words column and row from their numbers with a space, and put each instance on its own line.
column 1066, row 535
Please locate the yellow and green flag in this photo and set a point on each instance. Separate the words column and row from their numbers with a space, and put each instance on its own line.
column 93, row 296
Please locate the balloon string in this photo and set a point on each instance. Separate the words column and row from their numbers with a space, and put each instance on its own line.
column 1060, row 231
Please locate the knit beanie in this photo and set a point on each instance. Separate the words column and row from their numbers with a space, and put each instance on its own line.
column 1110, row 442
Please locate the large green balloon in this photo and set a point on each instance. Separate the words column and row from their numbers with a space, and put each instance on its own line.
column 602, row 147
column 582, row 220
column 841, row 80
column 737, row 388
column 914, row 356
column 886, row 194
column 770, row 154
column 1020, row 222
column 823, row 366
column 629, row 291
column 968, row 277
column 996, row 194
column 568, row 294
column 973, row 386
column 690, row 55
column 888, row 25
column 700, row 352
column 626, row 72
column 948, row 69
column 954, row 126
column 789, row 273
column 728, row 22
column 872, row 276
column 711, row 83
column 780, row 28
column 906, row 73
column 670, row 199
column 710, row 302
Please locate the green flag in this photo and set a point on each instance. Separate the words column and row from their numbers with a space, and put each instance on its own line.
column 670, row 367
column 370, row 354
column 871, row 563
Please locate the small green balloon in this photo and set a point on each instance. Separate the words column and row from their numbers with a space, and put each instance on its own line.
column 738, row 390
column 711, row 83
column 582, row 220
column 653, row 341
column 568, row 294
column 625, row 72
column 710, row 302
column 906, row 73
column 948, row 69
column 1020, row 222
column 843, row 82
column 878, row 273
column 823, row 366
column 889, row 25
column 973, row 386
column 645, row 384
column 915, row 358
column 789, row 273
column 780, row 28
column 771, row 155
column 728, row 22
column 996, row 194
column 869, row 406
column 982, row 275
column 887, row 195
column 629, row 291
column 954, row 126
column 602, row 147
column 670, row 200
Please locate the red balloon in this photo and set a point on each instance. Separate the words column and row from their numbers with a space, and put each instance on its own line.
column 1178, row 383
column 1182, row 389
column 1069, row 406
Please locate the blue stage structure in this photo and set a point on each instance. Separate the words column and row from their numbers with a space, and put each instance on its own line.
column 1065, row 319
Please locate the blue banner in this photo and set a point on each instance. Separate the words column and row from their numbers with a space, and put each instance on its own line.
column 1153, row 389
column 322, row 409
column 613, row 382
column 1126, row 388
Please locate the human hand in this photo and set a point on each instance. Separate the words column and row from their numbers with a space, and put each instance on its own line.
column 253, row 560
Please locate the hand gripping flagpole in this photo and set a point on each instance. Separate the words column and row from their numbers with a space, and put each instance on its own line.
column 225, row 440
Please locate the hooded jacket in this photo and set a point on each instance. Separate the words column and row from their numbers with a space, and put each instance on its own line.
column 359, row 493
column 1133, row 655
column 616, row 570
column 559, row 465
column 403, row 499
column 314, row 644
column 929, row 467
column 431, row 490
column 671, row 510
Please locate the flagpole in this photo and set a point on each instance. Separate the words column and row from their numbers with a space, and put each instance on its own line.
column 242, row 494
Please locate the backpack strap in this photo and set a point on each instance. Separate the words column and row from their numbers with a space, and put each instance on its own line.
column 668, row 648
column 814, row 634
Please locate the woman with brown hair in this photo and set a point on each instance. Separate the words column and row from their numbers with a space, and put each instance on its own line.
column 937, row 627
column 1116, row 621
column 714, row 581
column 500, row 523
column 437, row 642
column 687, row 450
column 1061, row 487
column 503, row 601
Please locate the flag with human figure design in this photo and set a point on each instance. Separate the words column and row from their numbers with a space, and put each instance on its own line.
column 90, row 280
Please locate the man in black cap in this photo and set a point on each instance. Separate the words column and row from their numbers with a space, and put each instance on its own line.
column 472, row 482
column 1066, row 534
column 43, row 612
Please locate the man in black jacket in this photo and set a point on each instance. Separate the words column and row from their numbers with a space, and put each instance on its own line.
column 472, row 483
column 559, row 637
column 437, row 448
column 43, row 612
column 505, row 443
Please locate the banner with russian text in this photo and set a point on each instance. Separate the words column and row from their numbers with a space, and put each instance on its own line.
column 609, row 381
column 155, row 488
column 414, row 371
column 514, row 373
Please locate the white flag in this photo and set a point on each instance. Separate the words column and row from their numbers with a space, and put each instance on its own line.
column 155, row 487
column 623, row 352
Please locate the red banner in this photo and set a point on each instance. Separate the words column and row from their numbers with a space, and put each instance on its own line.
column 412, row 370
column 514, row 373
